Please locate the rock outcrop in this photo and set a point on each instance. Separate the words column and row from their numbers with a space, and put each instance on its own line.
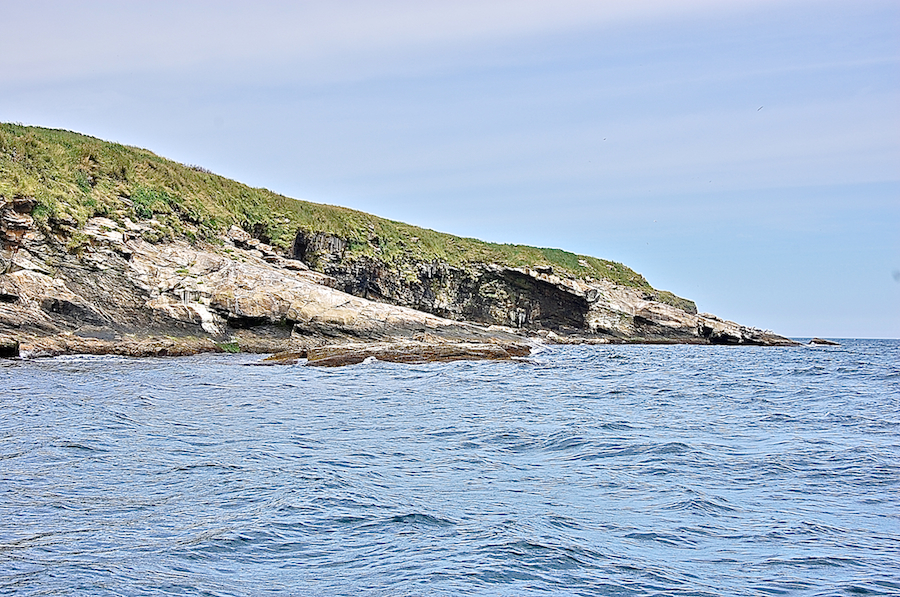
column 105, row 288
column 529, row 299
column 823, row 342
column 116, row 292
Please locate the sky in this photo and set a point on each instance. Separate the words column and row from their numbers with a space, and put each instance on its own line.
column 743, row 154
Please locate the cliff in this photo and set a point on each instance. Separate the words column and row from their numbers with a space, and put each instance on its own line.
column 106, row 248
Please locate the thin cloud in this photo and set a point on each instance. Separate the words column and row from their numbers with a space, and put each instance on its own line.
column 46, row 40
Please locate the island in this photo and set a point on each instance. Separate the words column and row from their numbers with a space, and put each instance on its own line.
column 110, row 249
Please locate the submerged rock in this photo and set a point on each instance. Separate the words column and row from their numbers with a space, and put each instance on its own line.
column 823, row 342
column 403, row 352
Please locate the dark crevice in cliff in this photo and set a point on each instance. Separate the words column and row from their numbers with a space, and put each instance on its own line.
column 528, row 302
column 647, row 328
column 480, row 293
column 244, row 323
column 74, row 313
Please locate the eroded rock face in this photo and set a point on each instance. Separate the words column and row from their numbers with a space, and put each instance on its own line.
column 318, row 247
column 240, row 290
column 535, row 299
column 114, row 290
column 116, row 286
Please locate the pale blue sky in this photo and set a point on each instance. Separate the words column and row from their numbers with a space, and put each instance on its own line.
column 742, row 154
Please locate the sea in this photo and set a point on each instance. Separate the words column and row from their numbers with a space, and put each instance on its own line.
column 583, row 470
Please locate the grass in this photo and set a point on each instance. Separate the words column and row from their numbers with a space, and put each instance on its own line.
column 75, row 177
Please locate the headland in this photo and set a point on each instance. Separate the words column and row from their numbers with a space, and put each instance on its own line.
column 109, row 249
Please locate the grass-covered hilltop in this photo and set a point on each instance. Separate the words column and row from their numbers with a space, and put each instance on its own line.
column 74, row 177
column 114, row 244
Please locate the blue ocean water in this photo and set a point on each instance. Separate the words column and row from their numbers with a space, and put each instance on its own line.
column 617, row 470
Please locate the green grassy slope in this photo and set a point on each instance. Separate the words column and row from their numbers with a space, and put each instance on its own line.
column 74, row 177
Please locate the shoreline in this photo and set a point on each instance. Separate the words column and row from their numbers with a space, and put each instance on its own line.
column 344, row 351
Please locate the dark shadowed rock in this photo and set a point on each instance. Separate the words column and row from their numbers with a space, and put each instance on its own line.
column 9, row 348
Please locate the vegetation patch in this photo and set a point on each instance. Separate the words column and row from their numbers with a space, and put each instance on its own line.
column 231, row 347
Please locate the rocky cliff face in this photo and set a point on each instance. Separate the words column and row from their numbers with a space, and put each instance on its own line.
column 104, row 288
column 124, row 287
column 532, row 300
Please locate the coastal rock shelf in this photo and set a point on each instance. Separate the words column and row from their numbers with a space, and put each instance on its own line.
column 404, row 351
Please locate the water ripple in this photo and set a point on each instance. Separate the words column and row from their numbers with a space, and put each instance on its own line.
column 609, row 470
